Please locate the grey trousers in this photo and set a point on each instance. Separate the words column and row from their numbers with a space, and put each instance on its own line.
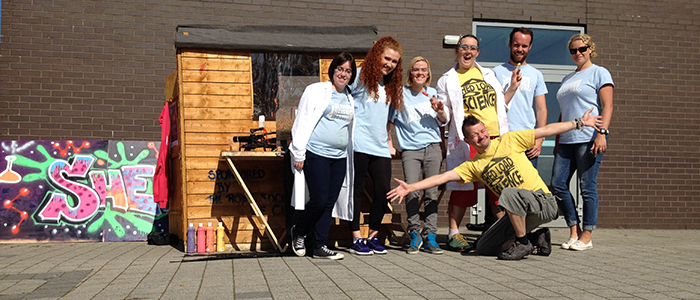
column 536, row 207
column 425, row 162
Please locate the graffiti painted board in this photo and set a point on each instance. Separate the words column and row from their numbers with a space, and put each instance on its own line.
column 56, row 191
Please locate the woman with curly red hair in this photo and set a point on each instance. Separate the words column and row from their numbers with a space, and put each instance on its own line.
column 379, row 86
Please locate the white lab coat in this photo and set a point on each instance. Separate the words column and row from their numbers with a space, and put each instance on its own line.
column 313, row 103
column 450, row 93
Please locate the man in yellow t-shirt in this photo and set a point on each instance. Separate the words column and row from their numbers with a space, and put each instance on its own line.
column 502, row 165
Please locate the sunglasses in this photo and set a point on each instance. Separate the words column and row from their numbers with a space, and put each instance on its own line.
column 579, row 49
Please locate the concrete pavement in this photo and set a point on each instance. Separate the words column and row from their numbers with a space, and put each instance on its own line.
column 624, row 264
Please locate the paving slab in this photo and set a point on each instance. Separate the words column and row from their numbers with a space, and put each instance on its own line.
column 624, row 264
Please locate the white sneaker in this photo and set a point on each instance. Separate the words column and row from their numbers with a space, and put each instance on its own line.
column 568, row 243
column 580, row 246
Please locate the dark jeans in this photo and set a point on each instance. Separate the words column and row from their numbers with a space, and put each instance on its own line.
column 324, row 178
column 379, row 169
column 534, row 160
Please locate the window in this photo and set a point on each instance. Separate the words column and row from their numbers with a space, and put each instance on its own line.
column 549, row 54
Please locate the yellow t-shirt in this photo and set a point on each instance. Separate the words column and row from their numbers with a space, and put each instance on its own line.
column 504, row 164
column 479, row 99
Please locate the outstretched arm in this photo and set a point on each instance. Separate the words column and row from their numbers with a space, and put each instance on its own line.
column 557, row 128
column 404, row 188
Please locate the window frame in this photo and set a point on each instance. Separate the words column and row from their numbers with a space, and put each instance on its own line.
column 551, row 72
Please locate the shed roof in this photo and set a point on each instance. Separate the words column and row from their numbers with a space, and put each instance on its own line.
column 277, row 38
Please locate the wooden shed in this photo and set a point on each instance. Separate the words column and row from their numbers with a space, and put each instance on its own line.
column 227, row 77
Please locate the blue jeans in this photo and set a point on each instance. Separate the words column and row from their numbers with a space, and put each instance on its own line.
column 570, row 158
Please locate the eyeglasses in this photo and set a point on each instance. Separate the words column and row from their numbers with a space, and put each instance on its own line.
column 346, row 71
column 579, row 49
column 422, row 70
column 468, row 47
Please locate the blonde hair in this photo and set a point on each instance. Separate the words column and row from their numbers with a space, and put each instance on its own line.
column 409, row 81
column 586, row 39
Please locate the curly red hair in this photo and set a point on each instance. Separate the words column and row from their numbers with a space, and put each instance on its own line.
column 371, row 74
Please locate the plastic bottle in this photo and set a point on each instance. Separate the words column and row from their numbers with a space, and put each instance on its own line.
column 190, row 238
column 201, row 247
column 211, row 238
column 220, row 238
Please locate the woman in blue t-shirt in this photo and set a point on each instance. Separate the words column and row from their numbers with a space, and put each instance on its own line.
column 378, row 87
column 418, row 131
column 321, row 143
column 581, row 151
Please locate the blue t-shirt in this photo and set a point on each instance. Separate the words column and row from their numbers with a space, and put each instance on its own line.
column 521, row 116
column 330, row 136
column 371, row 116
column 577, row 94
column 416, row 126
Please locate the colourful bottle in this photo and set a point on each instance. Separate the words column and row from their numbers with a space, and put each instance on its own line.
column 201, row 247
column 220, row 238
column 211, row 238
column 190, row 238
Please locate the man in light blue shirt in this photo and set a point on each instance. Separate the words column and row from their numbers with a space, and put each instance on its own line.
column 521, row 115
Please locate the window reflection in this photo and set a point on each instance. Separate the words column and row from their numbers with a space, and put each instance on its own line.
column 279, row 79
column 549, row 46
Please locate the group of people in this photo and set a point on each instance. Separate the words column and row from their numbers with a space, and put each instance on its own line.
column 342, row 133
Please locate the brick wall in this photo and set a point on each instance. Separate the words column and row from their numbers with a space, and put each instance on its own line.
column 651, row 179
column 96, row 69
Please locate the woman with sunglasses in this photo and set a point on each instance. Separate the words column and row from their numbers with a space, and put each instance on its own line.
column 418, row 131
column 378, row 87
column 322, row 141
column 581, row 151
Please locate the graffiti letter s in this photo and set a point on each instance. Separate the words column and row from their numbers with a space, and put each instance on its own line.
column 56, row 206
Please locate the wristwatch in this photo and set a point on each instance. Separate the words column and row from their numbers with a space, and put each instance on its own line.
column 603, row 131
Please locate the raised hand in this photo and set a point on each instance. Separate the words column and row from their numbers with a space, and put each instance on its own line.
column 516, row 78
column 437, row 105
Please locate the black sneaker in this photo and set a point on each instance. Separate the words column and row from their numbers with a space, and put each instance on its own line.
column 542, row 240
column 324, row 252
column 479, row 227
column 516, row 251
column 298, row 243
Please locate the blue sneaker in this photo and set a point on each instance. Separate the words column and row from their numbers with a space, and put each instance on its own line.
column 416, row 242
column 431, row 245
column 360, row 248
column 377, row 248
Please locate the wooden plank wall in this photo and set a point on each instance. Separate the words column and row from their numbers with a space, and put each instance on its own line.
column 217, row 104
